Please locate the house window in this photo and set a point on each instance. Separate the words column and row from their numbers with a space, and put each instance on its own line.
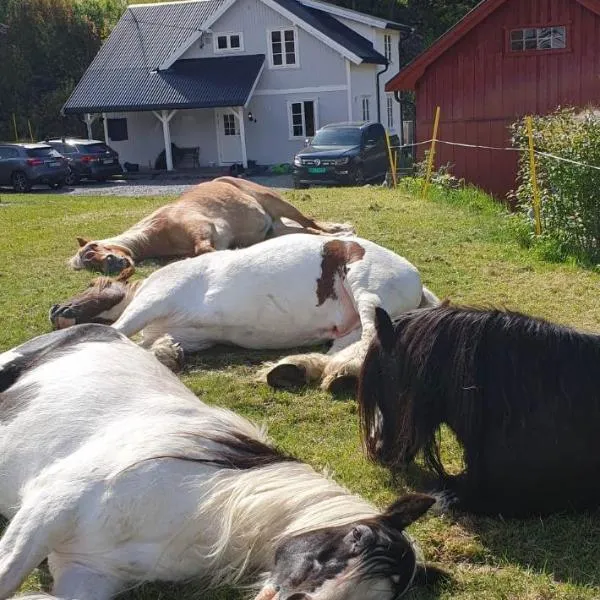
column 387, row 46
column 366, row 108
column 228, row 42
column 283, row 48
column 117, row 129
column 230, row 126
column 302, row 119
column 390, row 111
column 538, row 38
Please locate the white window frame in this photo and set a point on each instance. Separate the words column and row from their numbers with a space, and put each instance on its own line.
column 365, row 103
column 285, row 65
column 556, row 35
column 291, row 123
column 236, row 125
column 389, row 105
column 387, row 47
column 227, row 35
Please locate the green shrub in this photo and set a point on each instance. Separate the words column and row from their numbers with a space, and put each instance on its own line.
column 570, row 194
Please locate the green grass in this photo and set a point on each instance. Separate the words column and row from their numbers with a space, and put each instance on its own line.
column 466, row 249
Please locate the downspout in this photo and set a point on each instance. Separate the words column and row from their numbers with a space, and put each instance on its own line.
column 397, row 93
column 378, row 91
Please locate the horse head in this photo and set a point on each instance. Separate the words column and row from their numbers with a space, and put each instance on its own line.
column 110, row 259
column 370, row 559
column 102, row 301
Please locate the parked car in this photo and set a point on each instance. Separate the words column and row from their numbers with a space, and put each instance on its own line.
column 88, row 159
column 25, row 165
column 343, row 153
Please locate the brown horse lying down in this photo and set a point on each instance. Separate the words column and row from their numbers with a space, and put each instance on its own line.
column 224, row 213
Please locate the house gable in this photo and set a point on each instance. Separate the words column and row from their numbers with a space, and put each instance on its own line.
column 408, row 77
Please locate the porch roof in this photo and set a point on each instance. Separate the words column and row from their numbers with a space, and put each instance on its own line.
column 194, row 83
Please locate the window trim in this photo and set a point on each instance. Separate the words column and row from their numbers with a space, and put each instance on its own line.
column 236, row 126
column 315, row 102
column 362, row 108
column 296, row 65
column 536, row 52
column 388, row 37
column 229, row 35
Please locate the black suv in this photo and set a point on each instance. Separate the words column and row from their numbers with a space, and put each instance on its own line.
column 88, row 159
column 346, row 153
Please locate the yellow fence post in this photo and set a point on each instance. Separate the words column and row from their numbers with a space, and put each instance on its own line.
column 537, row 205
column 436, row 124
column 30, row 130
column 391, row 160
column 15, row 126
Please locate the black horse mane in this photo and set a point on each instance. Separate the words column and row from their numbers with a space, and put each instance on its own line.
column 472, row 369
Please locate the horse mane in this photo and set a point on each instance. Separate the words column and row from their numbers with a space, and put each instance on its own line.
column 470, row 368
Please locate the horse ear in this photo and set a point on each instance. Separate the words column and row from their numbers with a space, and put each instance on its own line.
column 385, row 329
column 407, row 510
column 82, row 242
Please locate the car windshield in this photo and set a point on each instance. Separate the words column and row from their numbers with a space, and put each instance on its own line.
column 344, row 136
column 41, row 152
column 94, row 148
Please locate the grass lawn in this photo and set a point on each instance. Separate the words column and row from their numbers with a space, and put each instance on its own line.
column 466, row 250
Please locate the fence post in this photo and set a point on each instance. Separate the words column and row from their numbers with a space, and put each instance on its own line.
column 15, row 126
column 30, row 130
column 534, row 186
column 391, row 160
column 436, row 124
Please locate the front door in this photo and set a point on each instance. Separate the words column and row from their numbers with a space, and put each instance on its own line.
column 228, row 137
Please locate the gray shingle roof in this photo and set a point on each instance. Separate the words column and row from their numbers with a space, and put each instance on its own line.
column 194, row 83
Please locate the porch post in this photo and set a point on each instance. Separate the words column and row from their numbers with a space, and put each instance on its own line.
column 240, row 115
column 89, row 119
column 165, row 117
column 105, row 128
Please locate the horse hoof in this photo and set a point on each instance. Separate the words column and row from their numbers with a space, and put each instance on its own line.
column 287, row 377
column 345, row 385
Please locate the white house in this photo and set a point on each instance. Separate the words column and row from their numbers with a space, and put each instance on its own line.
column 237, row 80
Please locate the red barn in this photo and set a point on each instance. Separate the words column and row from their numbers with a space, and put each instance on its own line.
column 505, row 59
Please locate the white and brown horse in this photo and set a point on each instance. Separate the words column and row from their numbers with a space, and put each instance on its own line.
column 114, row 471
column 297, row 290
column 227, row 212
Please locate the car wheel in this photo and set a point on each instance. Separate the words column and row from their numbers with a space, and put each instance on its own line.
column 20, row 182
column 72, row 178
column 359, row 177
column 57, row 185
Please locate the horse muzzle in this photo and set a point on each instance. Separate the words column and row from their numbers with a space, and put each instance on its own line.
column 62, row 317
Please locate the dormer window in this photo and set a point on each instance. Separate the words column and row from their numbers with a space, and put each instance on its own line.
column 228, row 42
column 538, row 38
column 283, row 50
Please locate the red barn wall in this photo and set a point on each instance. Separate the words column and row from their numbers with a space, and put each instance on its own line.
column 482, row 88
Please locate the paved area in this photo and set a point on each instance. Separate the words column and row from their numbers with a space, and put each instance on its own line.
column 171, row 186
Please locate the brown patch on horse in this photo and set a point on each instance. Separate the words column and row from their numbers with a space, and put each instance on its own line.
column 337, row 255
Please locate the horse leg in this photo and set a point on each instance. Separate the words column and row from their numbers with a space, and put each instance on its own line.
column 76, row 582
column 41, row 521
column 302, row 369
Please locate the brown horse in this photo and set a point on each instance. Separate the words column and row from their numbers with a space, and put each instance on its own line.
column 224, row 213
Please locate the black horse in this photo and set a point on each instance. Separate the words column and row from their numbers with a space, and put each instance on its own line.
column 522, row 396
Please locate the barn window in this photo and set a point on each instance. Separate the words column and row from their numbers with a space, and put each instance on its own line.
column 538, row 38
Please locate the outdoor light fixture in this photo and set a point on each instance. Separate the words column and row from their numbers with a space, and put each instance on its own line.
column 251, row 117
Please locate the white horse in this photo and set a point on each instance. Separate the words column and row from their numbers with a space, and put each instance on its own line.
column 118, row 474
column 297, row 290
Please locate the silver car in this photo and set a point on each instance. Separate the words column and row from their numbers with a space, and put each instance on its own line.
column 25, row 165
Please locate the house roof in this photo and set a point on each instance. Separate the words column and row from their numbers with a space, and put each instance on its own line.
column 408, row 77
column 195, row 83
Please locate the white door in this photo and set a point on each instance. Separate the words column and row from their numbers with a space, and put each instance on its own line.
column 228, row 136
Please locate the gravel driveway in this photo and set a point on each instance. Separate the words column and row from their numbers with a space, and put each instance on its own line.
column 170, row 186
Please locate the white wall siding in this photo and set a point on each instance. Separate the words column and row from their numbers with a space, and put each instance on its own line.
column 319, row 65
column 189, row 128
column 268, row 139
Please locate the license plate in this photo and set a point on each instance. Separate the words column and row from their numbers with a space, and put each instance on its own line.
column 317, row 169
column 55, row 163
column 108, row 161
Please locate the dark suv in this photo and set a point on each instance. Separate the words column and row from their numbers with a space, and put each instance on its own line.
column 25, row 165
column 88, row 159
column 346, row 153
